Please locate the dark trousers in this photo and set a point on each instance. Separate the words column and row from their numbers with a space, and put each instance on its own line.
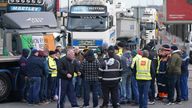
column 143, row 87
column 78, row 87
column 152, row 90
column 34, row 90
column 88, row 86
column 110, row 88
column 52, row 87
column 43, row 91
column 22, row 86
column 66, row 88
column 184, row 85
column 174, row 83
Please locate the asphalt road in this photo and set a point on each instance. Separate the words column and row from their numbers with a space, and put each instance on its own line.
column 158, row 104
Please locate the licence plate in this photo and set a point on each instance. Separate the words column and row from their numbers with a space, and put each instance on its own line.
column 87, row 42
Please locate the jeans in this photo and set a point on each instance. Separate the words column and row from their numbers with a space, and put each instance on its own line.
column 174, row 83
column 128, row 90
column 152, row 90
column 135, row 89
column 66, row 88
column 34, row 91
column 78, row 87
column 88, row 86
column 43, row 90
column 123, row 93
column 143, row 93
column 100, row 94
column 184, row 85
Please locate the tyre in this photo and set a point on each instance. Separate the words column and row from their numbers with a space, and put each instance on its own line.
column 5, row 86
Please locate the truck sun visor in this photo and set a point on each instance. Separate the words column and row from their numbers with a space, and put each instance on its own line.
column 26, row 20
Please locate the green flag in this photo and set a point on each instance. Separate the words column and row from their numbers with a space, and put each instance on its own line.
column 26, row 40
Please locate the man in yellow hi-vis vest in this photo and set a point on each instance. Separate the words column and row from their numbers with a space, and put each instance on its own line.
column 144, row 72
column 52, row 79
column 136, row 57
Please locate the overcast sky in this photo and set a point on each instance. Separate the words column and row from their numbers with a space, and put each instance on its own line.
column 129, row 3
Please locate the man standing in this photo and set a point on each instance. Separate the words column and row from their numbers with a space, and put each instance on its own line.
column 22, row 75
column 52, row 79
column 174, row 72
column 35, row 68
column 184, row 74
column 109, row 75
column 89, row 70
column 66, row 71
column 144, row 72
column 134, row 84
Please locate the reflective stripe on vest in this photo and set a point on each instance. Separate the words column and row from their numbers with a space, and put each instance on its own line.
column 111, row 79
column 143, row 67
column 52, row 66
column 159, row 60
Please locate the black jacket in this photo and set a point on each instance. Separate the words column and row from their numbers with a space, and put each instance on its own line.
column 66, row 66
column 35, row 66
column 110, row 73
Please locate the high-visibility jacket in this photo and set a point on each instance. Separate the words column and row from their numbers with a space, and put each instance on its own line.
column 143, row 67
column 52, row 67
column 120, row 52
column 137, row 57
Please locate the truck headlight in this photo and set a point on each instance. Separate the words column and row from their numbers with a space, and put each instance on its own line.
column 39, row 1
column 28, row 1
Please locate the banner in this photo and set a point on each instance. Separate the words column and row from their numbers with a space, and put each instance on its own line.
column 49, row 41
column 38, row 42
column 178, row 11
column 26, row 41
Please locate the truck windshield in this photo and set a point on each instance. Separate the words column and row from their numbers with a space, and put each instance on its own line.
column 87, row 23
column 150, row 26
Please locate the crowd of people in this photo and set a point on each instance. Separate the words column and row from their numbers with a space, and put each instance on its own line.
column 116, row 74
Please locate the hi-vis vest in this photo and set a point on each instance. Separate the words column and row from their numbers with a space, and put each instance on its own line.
column 52, row 67
column 136, row 58
column 143, row 67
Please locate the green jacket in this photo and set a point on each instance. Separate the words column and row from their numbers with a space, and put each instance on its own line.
column 174, row 63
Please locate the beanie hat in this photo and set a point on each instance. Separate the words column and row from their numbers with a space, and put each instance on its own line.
column 121, row 44
column 166, row 47
column 174, row 47
column 52, row 52
column 25, row 52
column 90, row 53
column 97, row 50
column 89, row 56
column 111, row 48
column 134, row 52
column 33, row 51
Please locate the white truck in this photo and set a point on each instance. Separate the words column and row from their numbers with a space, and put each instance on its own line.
column 149, row 25
column 92, row 23
column 127, row 29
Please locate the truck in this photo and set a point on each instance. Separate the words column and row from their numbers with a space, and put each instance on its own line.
column 149, row 25
column 127, row 29
column 92, row 23
column 23, row 26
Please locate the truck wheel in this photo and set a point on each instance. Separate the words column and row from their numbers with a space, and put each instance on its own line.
column 5, row 86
